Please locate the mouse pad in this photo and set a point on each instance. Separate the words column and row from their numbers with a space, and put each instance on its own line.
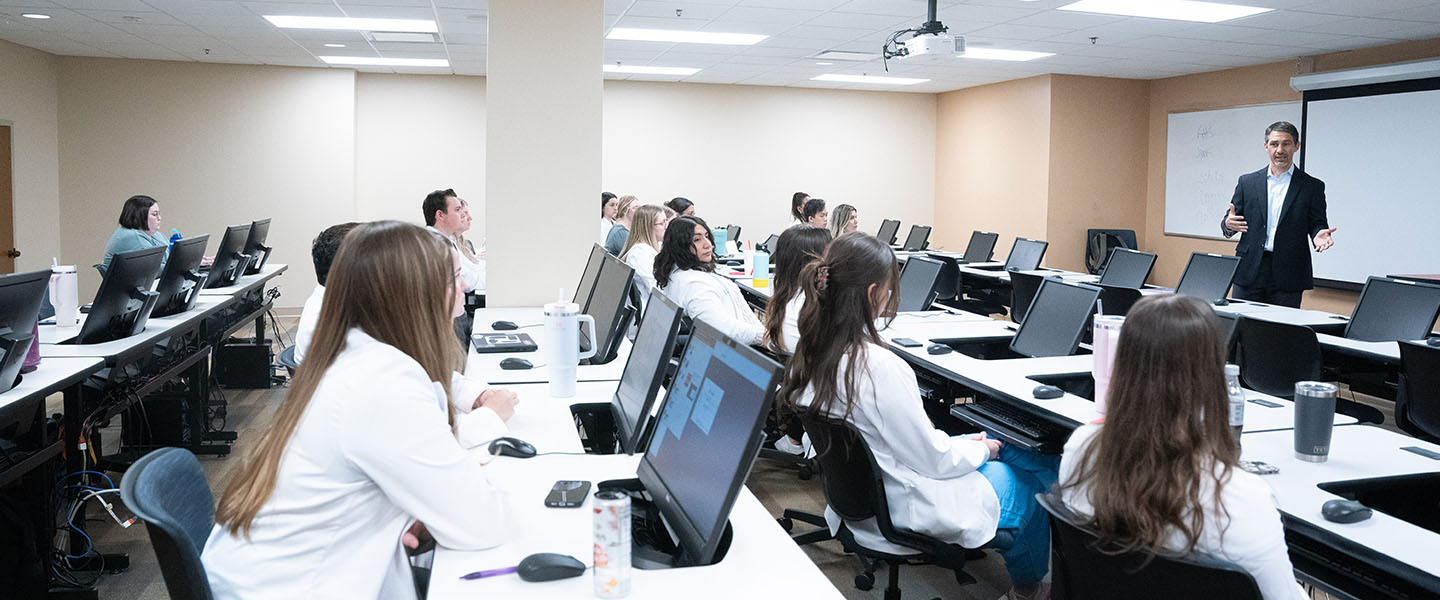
column 491, row 343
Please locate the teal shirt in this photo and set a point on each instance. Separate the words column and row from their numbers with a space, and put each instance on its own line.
column 615, row 242
column 129, row 240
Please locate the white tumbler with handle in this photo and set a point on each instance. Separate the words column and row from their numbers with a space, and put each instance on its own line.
column 562, row 345
column 65, row 295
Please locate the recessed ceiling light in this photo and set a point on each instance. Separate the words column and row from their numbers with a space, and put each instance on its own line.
column 350, row 24
column 997, row 54
column 34, row 16
column 875, row 79
column 844, row 55
column 823, row 63
column 684, row 37
column 334, row 45
column 371, row 61
column 1176, row 10
column 649, row 70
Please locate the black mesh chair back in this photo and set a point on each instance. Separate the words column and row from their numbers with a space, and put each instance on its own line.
column 1022, row 292
column 1079, row 570
column 1274, row 356
column 1417, row 407
column 167, row 489
column 1116, row 300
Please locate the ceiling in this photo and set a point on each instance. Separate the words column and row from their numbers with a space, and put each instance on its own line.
column 232, row 31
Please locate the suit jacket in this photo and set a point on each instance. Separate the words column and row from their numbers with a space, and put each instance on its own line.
column 1302, row 215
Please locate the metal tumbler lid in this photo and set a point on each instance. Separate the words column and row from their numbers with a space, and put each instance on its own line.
column 1314, row 389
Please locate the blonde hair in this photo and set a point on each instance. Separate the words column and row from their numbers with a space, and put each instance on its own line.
column 624, row 205
column 642, row 227
column 839, row 218
column 372, row 285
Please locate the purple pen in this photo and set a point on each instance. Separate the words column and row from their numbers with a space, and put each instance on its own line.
column 490, row 573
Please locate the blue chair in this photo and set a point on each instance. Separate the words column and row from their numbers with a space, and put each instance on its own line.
column 167, row 489
column 287, row 360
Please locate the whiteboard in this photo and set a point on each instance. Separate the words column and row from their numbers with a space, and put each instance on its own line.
column 1206, row 152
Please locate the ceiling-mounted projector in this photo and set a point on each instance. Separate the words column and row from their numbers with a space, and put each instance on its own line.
column 931, row 38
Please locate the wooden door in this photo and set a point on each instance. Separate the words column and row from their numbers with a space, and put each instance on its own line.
column 7, row 205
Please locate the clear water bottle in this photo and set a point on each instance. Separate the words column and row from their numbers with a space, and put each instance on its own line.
column 1237, row 400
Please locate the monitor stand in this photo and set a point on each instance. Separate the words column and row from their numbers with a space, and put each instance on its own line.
column 652, row 546
column 595, row 423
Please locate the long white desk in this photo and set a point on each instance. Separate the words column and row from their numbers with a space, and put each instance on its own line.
column 248, row 282
column 1380, row 352
column 486, row 367
column 204, row 307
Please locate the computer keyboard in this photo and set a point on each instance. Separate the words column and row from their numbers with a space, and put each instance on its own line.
column 1014, row 425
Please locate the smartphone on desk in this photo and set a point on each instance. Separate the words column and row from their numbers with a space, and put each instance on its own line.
column 568, row 493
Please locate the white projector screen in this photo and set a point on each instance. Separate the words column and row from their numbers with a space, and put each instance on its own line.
column 1377, row 156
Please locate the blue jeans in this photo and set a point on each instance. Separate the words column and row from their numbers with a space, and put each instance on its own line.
column 1017, row 476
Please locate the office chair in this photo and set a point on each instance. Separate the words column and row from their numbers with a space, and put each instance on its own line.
column 1022, row 291
column 855, row 490
column 1417, row 406
column 167, row 489
column 1099, row 243
column 1116, row 300
column 778, row 423
column 1273, row 357
column 287, row 360
column 1080, row 570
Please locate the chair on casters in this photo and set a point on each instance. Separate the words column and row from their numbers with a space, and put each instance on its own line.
column 1078, row 571
column 1116, row 300
column 287, row 360
column 805, row 465
column 855, row 490
column 167, row 489
column 1274, row 356
column 1417, row 406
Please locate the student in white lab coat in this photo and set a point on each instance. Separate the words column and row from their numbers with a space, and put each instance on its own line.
column 644, row 243
column 363, row 455
column 797, row 208
column 685, row 269
column 1159, row 473
column 958, row 489
column 322, row 255
column 797, row 247
column 608, row 204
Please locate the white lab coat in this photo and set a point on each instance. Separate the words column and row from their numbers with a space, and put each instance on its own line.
column 641, row 257
column 716, row 300
column 790, row 326
column 1254, row 538
column 309, row 317
column 372, row 454
column 605, row 225
column 931, row 481
column 471, row 273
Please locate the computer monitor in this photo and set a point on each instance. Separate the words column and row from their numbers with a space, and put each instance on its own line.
column 732, row 233
column 610, row 306
column 1393, row 309
column 20, row 295
column 1025, row 254
column 917, row 283
column 124, row 301
column 255, row 246
column 771, row 243
column 587, row 278
column 230, row 260
column 1207, row 276
column 981, row 247
column 1056, row 319
column 706, row 438
column 180, row 280
column 918, row 239
column 888, row 229
column 1127, row 268
column 634, row 398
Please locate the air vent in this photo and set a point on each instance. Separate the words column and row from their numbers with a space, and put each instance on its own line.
column 393, row 36
column 846, row 56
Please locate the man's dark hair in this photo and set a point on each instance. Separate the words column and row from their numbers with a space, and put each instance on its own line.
column 136, row 213
column 1283, row 127
column 605, row 198
column 813, row 206
column 323, row 249
column 436, row 201
column 679, row 205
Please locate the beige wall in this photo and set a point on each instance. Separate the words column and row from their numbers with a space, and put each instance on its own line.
column 215, row 145
column 740, row 152
column 28, row 103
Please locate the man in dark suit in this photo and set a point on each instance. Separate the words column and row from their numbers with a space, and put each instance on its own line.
column 1286, row 209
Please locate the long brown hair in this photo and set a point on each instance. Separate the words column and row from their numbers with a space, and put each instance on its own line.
column 838, row 319
column 372, row 285
column 1166, row 429
column 796, row 247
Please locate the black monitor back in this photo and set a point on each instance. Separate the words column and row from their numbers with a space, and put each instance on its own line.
column 1127, row 268
column 20, row 295
column 610, row 306
column 917, row 283
column 1055, row 320
column 587, row 278
column 771, row 243
column 181, row 279
column 1025, row 254
column 1208, row 276
column 230, row 259
column 888, row 229
column 124, row 301
column 732, row 233
column 635, row 397
column 918, row 239
column 1394, row 309
column 255, row 246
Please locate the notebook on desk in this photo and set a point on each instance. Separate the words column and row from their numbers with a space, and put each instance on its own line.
column 494, row 343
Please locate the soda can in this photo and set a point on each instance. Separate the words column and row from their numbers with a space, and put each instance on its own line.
column 612, row 544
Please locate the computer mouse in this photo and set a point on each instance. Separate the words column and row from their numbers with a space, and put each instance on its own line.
column 1434, row 341
column 515, row 364
column 1345, row 511
column 549, row 566
column 1222, row 302
column 509, row 446
column 504, row 325
column 1047, row 392
column 939, row 349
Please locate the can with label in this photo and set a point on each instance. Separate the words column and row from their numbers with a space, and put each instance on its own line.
column 612, row 544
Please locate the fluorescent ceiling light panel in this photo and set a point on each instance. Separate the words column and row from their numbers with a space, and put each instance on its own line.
column 684, row 37
column 844, row 55
column 997, row 54
column 372, row 61
column 1175, row 10
column 649, row 70
column 350, row 24
column 34, row 16
column 392, row 36
column 873, row 79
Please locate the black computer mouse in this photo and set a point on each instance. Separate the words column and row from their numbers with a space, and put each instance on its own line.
column 1345, row 511
column 1047, row 392
column 509, row 446
column 504, row 325
column 515, row 364
column 939, row 349
column 1434, row 341
column 549, row 566
column 1222, row 302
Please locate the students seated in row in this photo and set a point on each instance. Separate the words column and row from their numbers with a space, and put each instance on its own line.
column 139, row 229
column 681, row 206
column 797, row 247
column 685, row 269
column 1159, row 474
column 844, row 219
column 466, row 247
column 797, row 208
column 363, row 451
column 624, row 215
column 815, row 214
column 644, row 243
column 958, row 489
column 447, row 215
column 322, row 254
column 607, row 214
